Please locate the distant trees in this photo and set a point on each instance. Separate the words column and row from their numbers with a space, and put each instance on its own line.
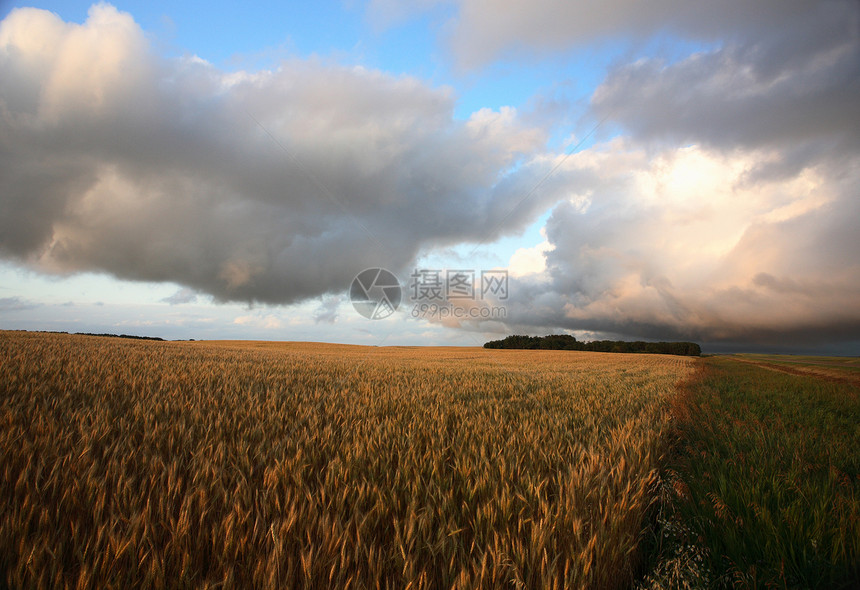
column 121, row 336
column 568, row 342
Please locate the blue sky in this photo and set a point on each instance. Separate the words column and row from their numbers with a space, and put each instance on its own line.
column 191, row 170
column 260, row 35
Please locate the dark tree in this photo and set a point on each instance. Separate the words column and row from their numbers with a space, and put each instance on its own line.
column 568, row 342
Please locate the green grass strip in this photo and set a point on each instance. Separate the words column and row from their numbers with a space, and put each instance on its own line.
column 766, row 479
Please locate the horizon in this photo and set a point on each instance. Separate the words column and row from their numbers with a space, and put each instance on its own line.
column 625, row 172
column 154, row 338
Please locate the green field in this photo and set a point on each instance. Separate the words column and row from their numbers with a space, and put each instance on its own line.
column 844, row 369
column 765, row 482
column 848, row 363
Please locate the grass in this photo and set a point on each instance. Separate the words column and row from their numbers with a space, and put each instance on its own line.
column 848, row 363
column 204, row 465
column 765, row 489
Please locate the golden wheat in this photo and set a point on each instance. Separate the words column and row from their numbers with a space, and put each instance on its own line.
column 293, row 465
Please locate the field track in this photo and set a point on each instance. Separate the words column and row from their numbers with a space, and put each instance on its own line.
column 836, row 374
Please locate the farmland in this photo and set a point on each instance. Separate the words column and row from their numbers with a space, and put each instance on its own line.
column 202, row 464
column 765, row 488
column 134, row 463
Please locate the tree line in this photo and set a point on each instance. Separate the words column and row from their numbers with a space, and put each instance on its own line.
column 568, row 342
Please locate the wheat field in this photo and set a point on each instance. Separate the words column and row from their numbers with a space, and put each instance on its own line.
column 296, row 465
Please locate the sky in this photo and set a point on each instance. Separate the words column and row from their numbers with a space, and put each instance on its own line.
column 626, row 169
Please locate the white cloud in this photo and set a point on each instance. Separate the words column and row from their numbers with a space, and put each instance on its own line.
column 529, row 261
column 272, row 186
column 679, row 243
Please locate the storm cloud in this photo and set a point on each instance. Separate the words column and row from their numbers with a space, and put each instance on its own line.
column 270, row 186
column 679, row 244
column 727, row 209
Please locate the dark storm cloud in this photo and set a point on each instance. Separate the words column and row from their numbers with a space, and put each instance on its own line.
column 681, row 245
column 272, row 186
column 791, row 88
column 727, row 210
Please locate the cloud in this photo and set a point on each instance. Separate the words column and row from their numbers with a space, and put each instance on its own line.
column 791, row 88
column 723, row 212
column 328, row 310
column 386, row 13
column 483, row 31
column 183, row 295
column 529, row 261
column 13, row 304
column 679, row 244
column 271, row 186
